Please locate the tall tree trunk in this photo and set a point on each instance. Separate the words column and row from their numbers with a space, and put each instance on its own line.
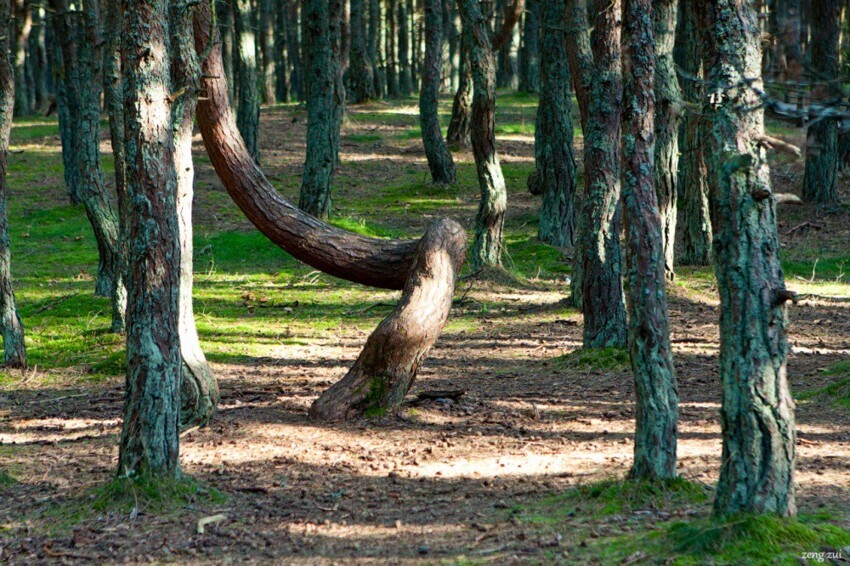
column 529, row 52
column 281, row 52
column 820, row 182
column 505, row 69
column 791, row 53
column 37, row 62
column 460, row 125
column 267, row 46
column 667, row 112
column 392, row 51
column 361, row 73
column 22, row 30
column 224, row 11
column 440, row 160
column 555, row 175
column 14, row 348
column 293, row 46
column 757, row 413
column 657, row 404
column 490, row 220
column 693, row 176
column 373, row 47
column 149, row 437
column 199, row 388
column 599, row 226
column 322, row 112
column 579, row 54
column 405, row 78
column 247, row 78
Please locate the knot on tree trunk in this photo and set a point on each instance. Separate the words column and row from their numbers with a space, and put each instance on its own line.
column 394, row 352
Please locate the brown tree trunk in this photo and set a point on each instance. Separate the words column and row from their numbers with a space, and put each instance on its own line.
column 393, row 354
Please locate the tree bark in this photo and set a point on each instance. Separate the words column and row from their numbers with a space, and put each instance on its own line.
column 460, row 125
column 369, row 261
column 224, row 14
column 667, row 112
column 247, row 96
column 656, row 413
column 405, row 78
column 820, row 182
column 757, row 414
column 490, row 220
column 149, row 438
column 281, row 53
column 394, row 352
column 392, row 52
column 791, row 53
column 361, row 73
column 555, row 174
column 693, row 176
column 599, row 227
column 579, row 54
column 199, row 388
column 267, row 46
column 505, row 64
column 11, row 327
column 296, row 78
column 22, row 29
column 440, row 160
column 529, row 52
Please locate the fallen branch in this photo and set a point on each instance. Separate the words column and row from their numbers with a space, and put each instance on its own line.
column 780, row 145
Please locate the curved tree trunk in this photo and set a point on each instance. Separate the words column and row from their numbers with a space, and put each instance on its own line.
column 440, row 161
column 649, row 332
column 14, row 348
column 394, row 352
column 667, row 111
column 693, row 176
column 490, row 220
column 757, row 413
column 247, row 95
column 460, row 125
column 555, row 175
column 820, row 182
column 599, row 236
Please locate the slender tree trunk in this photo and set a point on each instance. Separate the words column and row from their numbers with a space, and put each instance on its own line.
column 649, row 335
column 693, row 176
column 373, row 43
column 490, row 220
column 267, row 45
column 555, row 175
column 296, row 79
column 37, row 61
column 757, row 413
column 667, row 112
column 149, row 438
column 529, row 52
column 405, row 78
column 820, row 182
column 392, row 52
column 199, row 388
column 281, row 52
column 361, row 73
column 440, row 160
column 322, row 111
column 22, row 29
column 579, row 54
column 791, row 53
column 599, row 236
column 14, row 349
column 224, row 12
column 505, row 68
column 247, row 77
column 460, row 125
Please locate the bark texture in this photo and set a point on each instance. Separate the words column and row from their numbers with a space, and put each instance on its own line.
column 490, row 220
column 149, row 438
column 555, row 174
column 360, row 72
column 440, row 160
column 529, row 51
column 394, row 352
column 820, row 182
column 460, row 126
column 656, row 413
column 247, row 77
column 11, row 327
column 599, row 237
column 579, row 54
column 757, row 414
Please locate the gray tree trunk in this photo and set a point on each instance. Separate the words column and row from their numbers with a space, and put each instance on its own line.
column 757, row 413
column 267, row 46
column 361, row 72
column 405, row 76
column 247, row 77
column 440, row 160
column 460, row 125
column 529, row 51
column 14, row 348
column 149, row 437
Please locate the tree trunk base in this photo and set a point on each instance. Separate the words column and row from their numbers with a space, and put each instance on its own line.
column 393, row 354
column 199, row 393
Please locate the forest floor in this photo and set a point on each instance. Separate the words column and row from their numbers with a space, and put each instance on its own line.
column 527, row 466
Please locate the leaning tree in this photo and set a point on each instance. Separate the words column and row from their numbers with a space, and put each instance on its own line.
column 425, row 269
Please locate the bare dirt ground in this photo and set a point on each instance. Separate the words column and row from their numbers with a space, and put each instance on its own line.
column 435, row 483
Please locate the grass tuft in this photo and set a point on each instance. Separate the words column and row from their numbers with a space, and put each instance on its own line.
column 598, row 359
column 6, row 480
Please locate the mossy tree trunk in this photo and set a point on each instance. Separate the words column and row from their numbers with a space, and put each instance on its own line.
column 820, row 182
column 667, row 112
column 149, row 437
column 199, row 388
column 529, row 52
column 757, row 413
column 361, row 74
column 601, row 216
column 555, row 174
column 693, row 176
column 14, row 348
column 440, row 160
column 321, row 67
column 247, row 76
column 657, row 404
column 460, row 124
column 490, row 220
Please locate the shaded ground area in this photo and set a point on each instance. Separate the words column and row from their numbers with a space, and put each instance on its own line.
column 509, row 472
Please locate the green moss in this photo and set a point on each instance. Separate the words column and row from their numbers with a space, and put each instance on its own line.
column 839, row 390
column 599, row 359
column 363, row 138
column 6, row 479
